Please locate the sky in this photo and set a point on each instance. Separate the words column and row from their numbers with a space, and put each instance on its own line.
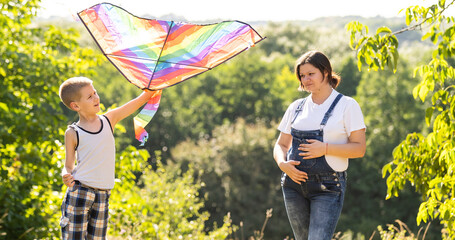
column 242, row 10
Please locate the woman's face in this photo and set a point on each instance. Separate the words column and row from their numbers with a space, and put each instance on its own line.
column 311, row 78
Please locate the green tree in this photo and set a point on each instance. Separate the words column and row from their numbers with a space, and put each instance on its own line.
column 427, row 162
column 350, row 77
column 287, row 39
column 163, row 205
column 239, row 174
column 34, row 61
column 390, row 113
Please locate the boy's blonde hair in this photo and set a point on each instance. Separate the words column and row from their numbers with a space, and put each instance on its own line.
column 70, row 89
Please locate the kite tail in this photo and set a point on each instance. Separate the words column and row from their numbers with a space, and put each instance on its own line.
column 143, row 118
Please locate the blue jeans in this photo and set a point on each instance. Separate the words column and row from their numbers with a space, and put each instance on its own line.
column 314, row 206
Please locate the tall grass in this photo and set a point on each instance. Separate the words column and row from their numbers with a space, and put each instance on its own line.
column 397, row 231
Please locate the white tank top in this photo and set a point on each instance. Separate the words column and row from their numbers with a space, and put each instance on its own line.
column 95, row 154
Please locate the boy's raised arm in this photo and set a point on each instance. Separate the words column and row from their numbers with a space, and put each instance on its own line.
column 117, row 114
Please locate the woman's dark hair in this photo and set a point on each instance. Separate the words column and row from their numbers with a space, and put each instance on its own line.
column 321, row 62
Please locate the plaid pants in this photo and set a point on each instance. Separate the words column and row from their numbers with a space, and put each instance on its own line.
column 85, row 213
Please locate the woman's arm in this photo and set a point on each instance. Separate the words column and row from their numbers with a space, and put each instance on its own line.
column 354, row 148
column 280, row 150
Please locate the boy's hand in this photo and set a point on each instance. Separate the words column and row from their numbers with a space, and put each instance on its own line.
column 68, row 180
column 117, row 114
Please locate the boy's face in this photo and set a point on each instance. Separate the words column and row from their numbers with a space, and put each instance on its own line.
column 89, row 101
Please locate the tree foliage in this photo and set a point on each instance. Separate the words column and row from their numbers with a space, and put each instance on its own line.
column 240, row 176
column 286, row 39
column 163, row 204
column 427, row 162
column 389, row 113
column 33, row 63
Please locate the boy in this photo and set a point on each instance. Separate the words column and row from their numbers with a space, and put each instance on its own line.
column 90, row 141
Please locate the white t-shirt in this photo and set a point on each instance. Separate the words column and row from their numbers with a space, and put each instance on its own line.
column 346, row 118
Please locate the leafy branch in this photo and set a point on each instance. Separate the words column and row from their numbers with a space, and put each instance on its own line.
column 381, row 49
column 427, row 162
column 410, row 16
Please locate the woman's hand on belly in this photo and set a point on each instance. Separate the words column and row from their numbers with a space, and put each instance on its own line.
column 312, row 149
column 296, row 175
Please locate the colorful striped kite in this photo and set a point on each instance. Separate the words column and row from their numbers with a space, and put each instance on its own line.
column 156, row 54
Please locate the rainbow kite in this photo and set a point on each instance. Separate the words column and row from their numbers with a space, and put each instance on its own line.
column 156, row 54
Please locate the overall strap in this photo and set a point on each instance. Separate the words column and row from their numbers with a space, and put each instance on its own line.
column 329, row 112
column 299, row 109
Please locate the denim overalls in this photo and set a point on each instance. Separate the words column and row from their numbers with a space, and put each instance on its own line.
column 314, row 206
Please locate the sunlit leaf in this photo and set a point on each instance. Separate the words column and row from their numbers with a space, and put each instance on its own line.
column 4, row 107
column 383, row 30
column 428, row 115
